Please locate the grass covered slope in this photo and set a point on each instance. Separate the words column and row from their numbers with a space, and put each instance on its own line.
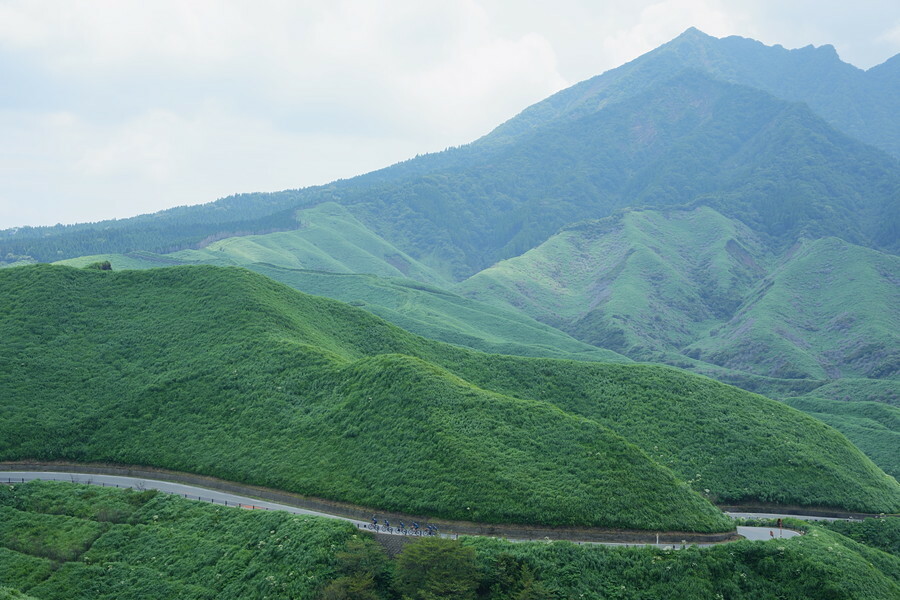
column 61, row 540
column 227, row 373
column 642, row 283
column 729, row 444
column 328, row 239
column 874, row 427
column 656, row 285
column 155, row 546
column 830, row 310
column 419, row 308
column 441, row 315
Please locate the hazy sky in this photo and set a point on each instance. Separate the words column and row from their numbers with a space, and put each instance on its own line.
column 111, row 108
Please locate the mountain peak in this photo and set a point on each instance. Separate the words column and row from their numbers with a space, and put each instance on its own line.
column 693, row 33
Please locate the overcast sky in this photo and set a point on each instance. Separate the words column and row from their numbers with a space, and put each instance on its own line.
column 111, row 108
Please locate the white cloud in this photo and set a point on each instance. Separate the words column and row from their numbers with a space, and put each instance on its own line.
column 659, row 22
column 113, row 107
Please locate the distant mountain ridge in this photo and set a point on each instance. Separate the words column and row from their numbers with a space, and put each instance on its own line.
column 814, row 76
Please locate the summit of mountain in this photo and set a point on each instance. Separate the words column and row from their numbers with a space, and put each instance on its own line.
column 688, row 139
column 859, row 103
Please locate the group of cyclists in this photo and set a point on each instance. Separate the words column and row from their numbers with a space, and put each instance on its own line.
column 413, row 529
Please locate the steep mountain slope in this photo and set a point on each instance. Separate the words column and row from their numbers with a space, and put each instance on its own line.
column 862, row 104
column 225, row 372
column 690, row 139
column 642, row 283
column 831, row 310
column 699, row 284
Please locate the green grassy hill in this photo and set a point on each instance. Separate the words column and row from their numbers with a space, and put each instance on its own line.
column 655, row 284
column 63, row 541
column 423, row 309
column 731, row 445
column 874, row 427
column 329, row 239
column 227, row 373
column 441, row 315
column 643, row 284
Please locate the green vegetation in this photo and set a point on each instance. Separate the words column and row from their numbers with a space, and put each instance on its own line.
column 670, row 129
column 834, row 331
column 883, row 534
column 420, row 308
column 440, row 315
column 694, row 289
column 820, row 564
column 328, row 239
column 227, row 373
column 729, row 444
column 859, row 103
column 436, row 568
column 873, row 427
column 859, row 390
column 166, row 546
column 642, row 283
column 162, row 546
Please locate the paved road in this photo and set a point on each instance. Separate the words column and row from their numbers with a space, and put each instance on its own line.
column 217, row 497
column 746, row 515
column 188, row 491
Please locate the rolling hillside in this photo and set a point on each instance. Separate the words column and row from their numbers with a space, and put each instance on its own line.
column 328, row 239
column 646, row 282
column 225, row 372
column 425, row 310
column 831, row 310
column 704, row 286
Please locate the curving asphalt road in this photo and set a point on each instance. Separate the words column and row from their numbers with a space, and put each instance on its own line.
column 214, row 496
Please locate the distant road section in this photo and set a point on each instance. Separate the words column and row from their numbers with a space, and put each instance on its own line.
column 188, row 491
column 192, row 492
